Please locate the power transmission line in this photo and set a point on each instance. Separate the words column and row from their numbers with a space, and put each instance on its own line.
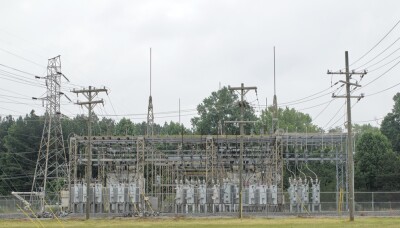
column 23, row 58
column 378, row 54
column 21, row 71
column 383, row 59
column 12, row 110
column 334, row 115
column 10, row 91
column 366, row 121
column 341, row 117
column 384, row 90
column 328, row 103
column 21, row 81
column 33, row 80
column 311, row 99
column 16, row 102
column 381, row 75
column 296, row 101
column 375, row 69
column 373, row 47
column 144, row 114
column 22, row 98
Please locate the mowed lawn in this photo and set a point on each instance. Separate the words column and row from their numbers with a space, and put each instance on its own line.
column 209, row 222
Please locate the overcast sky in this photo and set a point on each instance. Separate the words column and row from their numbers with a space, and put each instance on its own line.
column 196, row 46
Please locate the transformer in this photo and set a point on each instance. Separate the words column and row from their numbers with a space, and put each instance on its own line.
column 315, row 200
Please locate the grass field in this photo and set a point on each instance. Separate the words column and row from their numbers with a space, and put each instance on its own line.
column 208, row 223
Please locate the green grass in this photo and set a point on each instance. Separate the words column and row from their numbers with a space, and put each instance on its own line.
column 209, row 223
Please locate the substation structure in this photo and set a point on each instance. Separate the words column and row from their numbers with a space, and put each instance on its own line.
column 200, row 174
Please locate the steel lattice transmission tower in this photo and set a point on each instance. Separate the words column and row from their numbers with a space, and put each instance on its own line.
column 150, row 118
column 51, row 167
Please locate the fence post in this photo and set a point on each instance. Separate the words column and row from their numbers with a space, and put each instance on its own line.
column 373, row 209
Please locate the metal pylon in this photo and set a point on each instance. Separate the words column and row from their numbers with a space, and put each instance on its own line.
column 51, row 167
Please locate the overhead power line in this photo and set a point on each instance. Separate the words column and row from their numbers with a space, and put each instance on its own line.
column 373, row 47
column 375, row 69
column 23, row 98
column 384, row 90
column 381, row 75
column 18, row 76
column 145, row 114
column 13, row 68
column 366, row 121
column 333, row 117
column 328, row 103
column 21, row 57
column 311, row 99
column 378, row 54
column 342, row 116
column 383, row 59
column 309, row 96
column 21, row 81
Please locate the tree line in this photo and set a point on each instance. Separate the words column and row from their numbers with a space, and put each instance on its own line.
column 377, row 162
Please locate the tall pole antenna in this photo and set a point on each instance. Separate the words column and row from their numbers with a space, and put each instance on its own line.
column 150, row 71
column 150, row 114
column 274, row 74
column 275, row 104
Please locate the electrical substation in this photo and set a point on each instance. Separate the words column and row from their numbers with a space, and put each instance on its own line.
column 196, row 174
column 180, row 174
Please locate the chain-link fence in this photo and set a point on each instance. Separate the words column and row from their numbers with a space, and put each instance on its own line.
column 330, row 203
column 10, row 204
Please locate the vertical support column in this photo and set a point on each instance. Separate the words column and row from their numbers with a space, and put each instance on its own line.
column 348, row 96
column 72, row 176
column 349, row 139
column 278, row 172
column 210, row 159
column 140, row 148
column 243, row 90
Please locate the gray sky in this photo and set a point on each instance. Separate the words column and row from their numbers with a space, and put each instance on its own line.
column 196, row 45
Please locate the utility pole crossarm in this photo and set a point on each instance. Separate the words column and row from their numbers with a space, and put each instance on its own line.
column 245, row 88
column 93, row 90
column 239, row 122
column 344, row 96
column 350, row 83
column 351, row 73
column 90, row 102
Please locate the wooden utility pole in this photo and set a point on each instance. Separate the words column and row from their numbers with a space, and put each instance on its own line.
column 90, row 94
column 350, row 161
column 243, row 90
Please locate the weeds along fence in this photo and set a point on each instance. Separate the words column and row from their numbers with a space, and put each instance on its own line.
column 330, row 202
